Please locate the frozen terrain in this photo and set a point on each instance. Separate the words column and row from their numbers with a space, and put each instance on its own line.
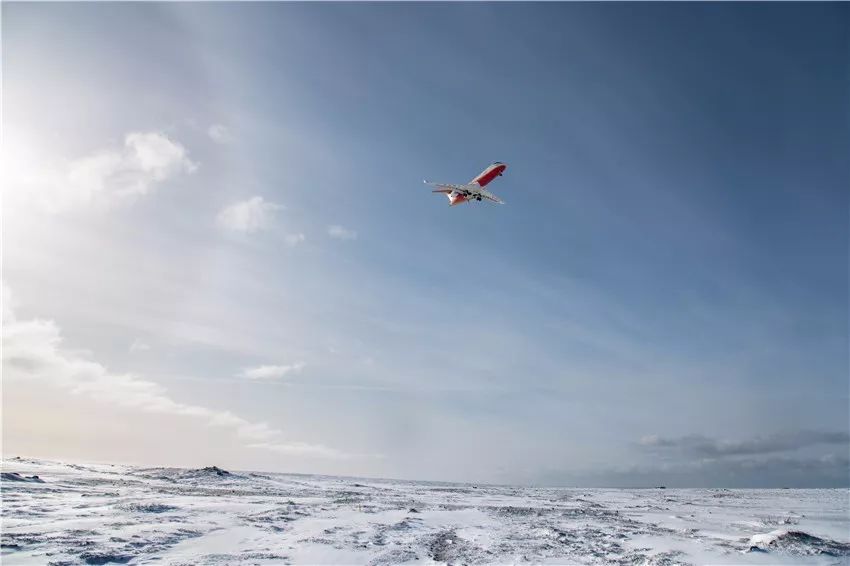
column 100, row 514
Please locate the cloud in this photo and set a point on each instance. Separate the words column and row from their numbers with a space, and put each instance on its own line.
column 219, row 133
column 704, row 446
column 701, row 461
column 248, row 216
column 139, row 346
column 270, row 372
column 294, row 239
column 147, row 158
column 104, row 177
column 33, row 350
column 829, row 470
column 341, row 233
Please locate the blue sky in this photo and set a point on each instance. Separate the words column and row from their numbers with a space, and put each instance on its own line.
column 224, row 203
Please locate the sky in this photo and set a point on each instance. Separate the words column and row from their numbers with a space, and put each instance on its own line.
column 217, row 247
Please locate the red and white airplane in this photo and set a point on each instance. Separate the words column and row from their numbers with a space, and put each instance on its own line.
column 474, row 190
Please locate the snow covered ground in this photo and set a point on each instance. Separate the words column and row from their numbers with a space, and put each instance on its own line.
column 100, row 514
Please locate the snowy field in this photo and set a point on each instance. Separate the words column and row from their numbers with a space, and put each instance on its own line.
column 102, row 514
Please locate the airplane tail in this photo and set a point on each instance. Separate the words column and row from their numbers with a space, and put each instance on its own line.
column 456, row 198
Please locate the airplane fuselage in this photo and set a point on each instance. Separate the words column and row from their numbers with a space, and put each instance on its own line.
column 493, row 171
column 473, row 190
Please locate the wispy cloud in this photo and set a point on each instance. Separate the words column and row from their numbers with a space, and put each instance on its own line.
column 106, row 176
column 270, row 371
column 220, row 133
column 294, row 239
column 704, row 446
column 33, row 350
column 249, row 216
column 139, row 346
column 341, row 233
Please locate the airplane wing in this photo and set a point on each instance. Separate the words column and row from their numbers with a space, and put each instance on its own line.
column 466, row 190
column 490, row 196
column 447, row 188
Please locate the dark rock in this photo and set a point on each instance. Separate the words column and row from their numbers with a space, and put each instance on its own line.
column 15, row 476
column 104, row 558
column 215, row 470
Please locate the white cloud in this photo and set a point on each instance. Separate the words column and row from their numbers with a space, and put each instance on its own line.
column 294, row 239
column 249, row 216
column 341, row 233
column 139, row 346
column 220, row 133
column 270, row 371
column 33, row 350
column 103, row 177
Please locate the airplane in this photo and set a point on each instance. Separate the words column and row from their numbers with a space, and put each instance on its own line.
column 474, row 190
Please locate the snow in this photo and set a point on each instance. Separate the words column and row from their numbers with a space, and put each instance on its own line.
column 105, row 514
